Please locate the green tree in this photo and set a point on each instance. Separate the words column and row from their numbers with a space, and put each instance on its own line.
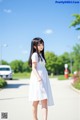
column 17, row 66
column 61, row 61
column 51, row 62
column 76, row 22
column 26, row 67
column 76, row 52
column 60, row 65
column 4, row 62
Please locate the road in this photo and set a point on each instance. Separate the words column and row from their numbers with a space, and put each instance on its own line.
column 14, row 101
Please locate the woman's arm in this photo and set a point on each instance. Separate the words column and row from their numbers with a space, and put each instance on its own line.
column 34, row 65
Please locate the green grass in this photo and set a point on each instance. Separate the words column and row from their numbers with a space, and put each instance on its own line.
column 61, row 77
column 3, row 83
column 21, row 75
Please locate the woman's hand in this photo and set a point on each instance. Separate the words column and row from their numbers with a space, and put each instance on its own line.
column 39, row 79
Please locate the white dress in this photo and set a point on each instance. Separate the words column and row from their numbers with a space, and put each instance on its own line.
column 40, row 91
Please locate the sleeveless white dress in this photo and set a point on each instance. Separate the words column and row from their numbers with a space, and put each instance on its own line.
column 40, row 90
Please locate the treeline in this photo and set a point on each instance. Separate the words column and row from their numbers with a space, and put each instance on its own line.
column 54, row 64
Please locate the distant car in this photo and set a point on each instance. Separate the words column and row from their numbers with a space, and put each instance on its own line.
column 5, row 72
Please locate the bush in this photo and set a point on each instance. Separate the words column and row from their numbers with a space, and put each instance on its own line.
column 3, row 83
column 76, row 84
column 76, row 80
column 70, row 75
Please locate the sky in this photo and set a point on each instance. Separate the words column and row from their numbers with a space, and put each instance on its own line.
column 22, row 20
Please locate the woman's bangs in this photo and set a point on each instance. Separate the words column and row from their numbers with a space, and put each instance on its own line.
column 41, row 42
column 38, row 41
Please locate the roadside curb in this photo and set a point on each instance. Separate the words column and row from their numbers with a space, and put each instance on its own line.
column 76, row 90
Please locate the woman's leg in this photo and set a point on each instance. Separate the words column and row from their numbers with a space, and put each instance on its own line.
column 34, row 109
column 44, row 109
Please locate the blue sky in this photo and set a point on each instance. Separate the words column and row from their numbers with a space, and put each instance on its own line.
column 22, row 20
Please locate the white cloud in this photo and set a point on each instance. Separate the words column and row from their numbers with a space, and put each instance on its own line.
column 7, row 10
column 48, row 31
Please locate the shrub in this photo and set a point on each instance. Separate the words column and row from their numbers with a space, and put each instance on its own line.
column 76, row 80
column 3, row 83
column 70, row 75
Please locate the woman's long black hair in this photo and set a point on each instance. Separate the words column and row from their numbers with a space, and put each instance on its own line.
column 35, row 42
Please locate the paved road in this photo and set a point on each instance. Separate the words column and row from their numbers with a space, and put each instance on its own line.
column 14, row 101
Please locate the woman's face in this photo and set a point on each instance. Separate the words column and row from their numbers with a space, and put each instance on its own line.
column 40, row 47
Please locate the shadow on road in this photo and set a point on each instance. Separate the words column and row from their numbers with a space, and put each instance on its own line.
column 14, row 85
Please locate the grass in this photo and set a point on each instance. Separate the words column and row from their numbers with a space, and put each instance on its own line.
column 3, row 83
column 61, row 77
column 21, row 75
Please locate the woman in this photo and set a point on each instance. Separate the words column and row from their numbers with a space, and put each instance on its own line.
column 39, row 89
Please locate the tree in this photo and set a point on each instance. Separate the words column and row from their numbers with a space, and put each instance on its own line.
column 17, row 66
column 4, row 62
column 76, row 22
column 76, row 51
column 61, row 61
column 51, row 59
column 26, row 67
